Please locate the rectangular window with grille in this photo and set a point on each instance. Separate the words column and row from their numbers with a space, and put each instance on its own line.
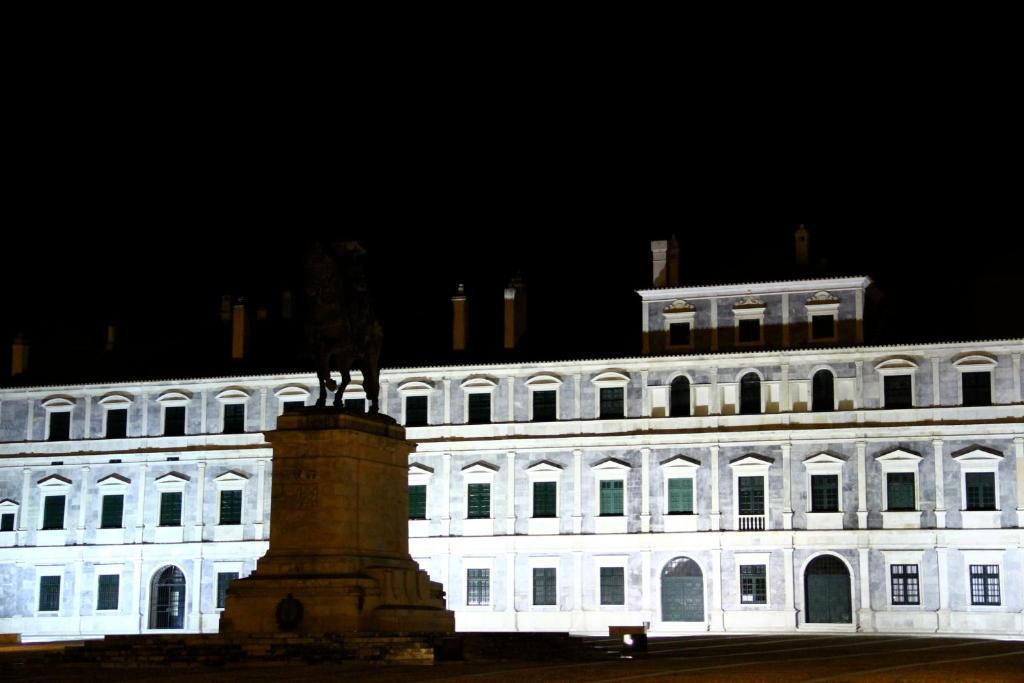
column 751, row 495
column 680, row 496
column 613, row 402
column 49, row 593
column 53, row 512
column 234, row 418
column 613, row 586
column 170, row 508
column 231, row 507
column 544, row 406
column 117, row 423
column 904, row 584
column 479, row 501
column 478, row 586
column 977, row 388
column 545, row 590
column 7, row 521
column 108, row 591
column 415, row 411
column 418, row 501
column 60, row 425
column 985, row 584
column 753, row 584
column 545, row 498
column 679, row 334
column 112, row 514
column 224, row 580
column 898, row 391
column 824, row 493
column 981, row 490
column 900, row 491
column 479, row 408
column 174, row 421
column 612, row 498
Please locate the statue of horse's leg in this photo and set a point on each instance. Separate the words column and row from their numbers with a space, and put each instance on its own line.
column 346, row 378
column 323, row 375
column 371, row 384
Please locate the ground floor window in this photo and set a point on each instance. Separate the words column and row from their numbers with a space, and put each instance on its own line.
column 905, row 589
column 49, row 593
column 544, row 586
column 613, row 586
column 418, row 501
column 224, row 580
column 753, row 584
column 985, row 584
column 107, row 591
column 478, row 586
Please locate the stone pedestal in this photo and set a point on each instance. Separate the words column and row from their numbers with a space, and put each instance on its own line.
column 339, row 543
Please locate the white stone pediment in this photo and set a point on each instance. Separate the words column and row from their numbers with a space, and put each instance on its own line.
column 680, row 306
column 418, row 469
column 114, row 480
column 748, row 301
column 544, row 381
column 898, row 455
column 975, row 361
column 232, row 475
column 173, row 478
column 822, row 298
column 977, row 454
column 824, row 458
column 896, row 365
column 116, row 400
column 611, row 464
column 611, row 378
column 480, row 467
column 59, row 402
column 233, row 394
column 292, row 392
column 8, row 504
column 482, row 383
column 544, row 466
column 174, row 397
column 54, row 481
column 751, row 461
column 416, row 386
column 680, row 462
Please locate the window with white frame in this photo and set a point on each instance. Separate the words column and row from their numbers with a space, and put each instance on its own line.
column 48, row 596
column 479, row 571
column 115, row 415
column 610, row 477
column 979, row 478
column 903, row 569
column 611, row 581
column 226, row 573
column 8, row 515
column 58, row 418
column 544, row 477
column 54, row 490
column 984, row 571
column 900, row 474
column 822, row 317
column 612, row 395
column 354, row 398
column 415, row 397
column 748, row 316
column 478, row 479
column 977, row 380
column 824, row 483
column 679, row 477
column 750, row 491
column 478, row 393
column 679, row 317
column 232, row 406
column 752, row 577
column 544, row 402
column 898, row 384
column 113, row 489
column 108, row 588
column 291, row 397
column 230, row 487
column 419, row 480
column 173, row 413
column 171, row 488
column 544, row 581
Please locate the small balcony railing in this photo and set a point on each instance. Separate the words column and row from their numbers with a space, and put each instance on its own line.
column 751, row 523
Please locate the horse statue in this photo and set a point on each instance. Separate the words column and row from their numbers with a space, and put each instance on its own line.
column 341, row 328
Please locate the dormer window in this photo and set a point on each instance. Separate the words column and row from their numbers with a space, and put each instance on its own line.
column 748, row 312
column 232, row 403
column 898, row 386
column 174, row 410
column 823, row 316
column 115, row 415
column 291, row 398
column 415, row 403
column 679, row 320
column 478, row 392
column 611, row 388
column 976, row 380
column 543, row 397
column 58, row 418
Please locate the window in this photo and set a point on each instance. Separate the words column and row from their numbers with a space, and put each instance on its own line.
column 478, row 586
column 7, row 521
column 234, row 418
column 823, row 327
column 980, row 489
column 53, row 512
column 749, row 331
column 901, row 491
column 544, row 405
column 824, row 493
column 545, row 590
column 49, row 593
column 354, row 405
column 479, row 503
column 680, row 496
column 750, row 394
column 613, row 586
column 985, row 584
column 753, row 584
column 224, row 580
column 751, row 490
column 170, row 508
column 611, row 498
column 174, row 421
column 479, row 408
column 545, row 496
column 679, row 334
column 107, row 591
column 977, row 388
column 679, row 397
column 231, row 507
column 823, row 392
column 117, row 423
column 904, row 584
column 415, row 411
column 612, row 402
column 898, row 391
column 112, row 514
column 292, row 406
column 60, row 425
column 418, row 501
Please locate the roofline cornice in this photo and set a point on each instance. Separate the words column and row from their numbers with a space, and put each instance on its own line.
column 740, row 288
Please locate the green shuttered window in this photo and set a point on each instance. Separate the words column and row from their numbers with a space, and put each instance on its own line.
column 418, row 501
column 113, row 512
column 751, row 495
column 53, row 512
column 545, row 591
column 613, row 586
column 224, row 580
column 49, row 593
column 170, row 508
column 900, row 490
column 612, row 402
column 824, row 493
column 545, row 494
column 479, row 503
column 107, row 591
column 611, row 498
column 680, row 496
column 230, row 507
column 753, row 584
column 981, row 490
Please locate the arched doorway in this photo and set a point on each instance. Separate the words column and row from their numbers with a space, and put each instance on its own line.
column 827, row 591
column 682, row 591
column 679, row 397
column 750, row 394
column 167, row 608
column 822, row 391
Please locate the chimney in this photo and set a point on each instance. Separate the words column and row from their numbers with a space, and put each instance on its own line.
column 659, row 277
column 802, row 244
column 19, row 356
column 459, row 326
column 238, row 330
column 111, row 337
column 673, row 262
column 515, row 311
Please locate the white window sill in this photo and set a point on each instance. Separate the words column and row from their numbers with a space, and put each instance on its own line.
column 610, row 525
column 673, row 523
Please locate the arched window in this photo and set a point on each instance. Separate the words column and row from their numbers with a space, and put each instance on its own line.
column 680, row 397
column 823, row 392
column 168, row 599
column 750, row 394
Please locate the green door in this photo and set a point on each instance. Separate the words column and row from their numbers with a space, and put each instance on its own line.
column 682, row 591
column 827, row 592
